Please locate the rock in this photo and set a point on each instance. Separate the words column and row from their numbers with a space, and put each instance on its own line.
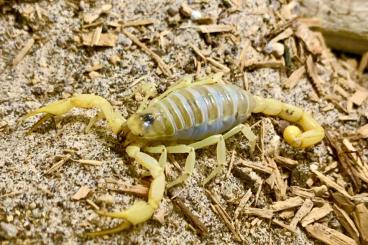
column 8, row 230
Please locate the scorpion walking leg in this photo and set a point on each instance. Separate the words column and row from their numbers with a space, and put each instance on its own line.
column 313, row 132
column 114, row 118
column 189, row 162
column 247, row 132
column 140, row 211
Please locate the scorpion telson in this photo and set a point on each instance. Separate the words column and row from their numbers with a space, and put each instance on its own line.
column 190, row 115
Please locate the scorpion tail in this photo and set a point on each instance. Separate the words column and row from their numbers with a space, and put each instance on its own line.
column 313, row 131
column 115, row 120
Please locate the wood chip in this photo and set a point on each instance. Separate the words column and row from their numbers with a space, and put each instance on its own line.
column 95, row 13
column 328, row 235
column 283, row 35
column 359, row 97
column 301, row 213
column 26, row 48
column 289, row 203
column 259, row 212
column 242, row 203
column 251, row 64
column 294, row 78
column 346, row 222
column 81, row 193
column 361, row 220
column 224, row 216
column 309, row 38
column 198, row 52
column 99, row 39
column 363, row 131
column 137, row 190
column 316, row 214
column 164, row 68
column 194, row 219
column 287, row 162
column 282, row 224
column 215, row 28
column 217, row 64
column 330, row 183
column 58, row 164
column 280, row 187
column 142, row 22
column 257, row 166
column 89, row 162
column 312, row 72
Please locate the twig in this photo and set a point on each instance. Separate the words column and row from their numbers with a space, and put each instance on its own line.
column 164, row 68
column 27, row 46
column 194, row 219
column 224, row 215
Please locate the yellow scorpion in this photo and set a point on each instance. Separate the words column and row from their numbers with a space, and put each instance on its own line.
column 190, row 115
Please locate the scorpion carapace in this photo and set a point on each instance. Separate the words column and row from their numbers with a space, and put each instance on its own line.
column 190, row 115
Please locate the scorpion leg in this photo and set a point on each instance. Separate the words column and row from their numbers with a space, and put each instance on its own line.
column 247, row 132
column 220, row 153
column 140, row 211
column 161, row 149
column 114, row 118
column 313, row 132
column 189, row 162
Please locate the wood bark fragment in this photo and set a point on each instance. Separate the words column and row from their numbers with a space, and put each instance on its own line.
column 287, row 162
column 312, row 72
column 346, row 222
column 26, row 48
column 81, row 193
column 215, row 28
column 330, row 183
column 294, row 78
column 164, row 68
column 328, row 235
column 288, row 203
column 194, row 219
column 97, row 38
column 260, row 212
column 363, row 131
column 301, row 213
column 257, row 166
column 141, row 22
column 136, row 190
column 224, row 216
column 316, row 214
column 242, row 203
column 361, row 220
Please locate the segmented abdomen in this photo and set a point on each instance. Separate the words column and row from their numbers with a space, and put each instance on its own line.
column 200, row 111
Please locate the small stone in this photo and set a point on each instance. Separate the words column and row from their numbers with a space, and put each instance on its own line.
column 9, row 230
column 9, row 218
column 32, row 205
column 114, row 59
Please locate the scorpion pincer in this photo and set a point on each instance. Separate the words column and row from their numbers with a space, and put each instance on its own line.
column 190, row 115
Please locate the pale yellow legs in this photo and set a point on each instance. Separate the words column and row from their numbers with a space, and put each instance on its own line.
column 219, row 140
column 140, row 211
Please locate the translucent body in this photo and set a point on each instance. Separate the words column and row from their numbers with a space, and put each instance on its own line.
column 194, row 113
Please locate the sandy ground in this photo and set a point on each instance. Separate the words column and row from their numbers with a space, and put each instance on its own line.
column 39, row 207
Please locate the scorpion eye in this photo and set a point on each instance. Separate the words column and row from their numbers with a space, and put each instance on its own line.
column 148, row 119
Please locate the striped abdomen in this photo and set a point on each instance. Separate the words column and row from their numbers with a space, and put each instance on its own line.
column 197, row 112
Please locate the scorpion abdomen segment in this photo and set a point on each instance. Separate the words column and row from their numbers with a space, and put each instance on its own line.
column 199, row 111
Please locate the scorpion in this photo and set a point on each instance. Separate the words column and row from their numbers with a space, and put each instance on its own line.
column 190, row 115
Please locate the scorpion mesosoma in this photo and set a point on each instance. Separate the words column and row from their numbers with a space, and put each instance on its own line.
column 190, row 115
